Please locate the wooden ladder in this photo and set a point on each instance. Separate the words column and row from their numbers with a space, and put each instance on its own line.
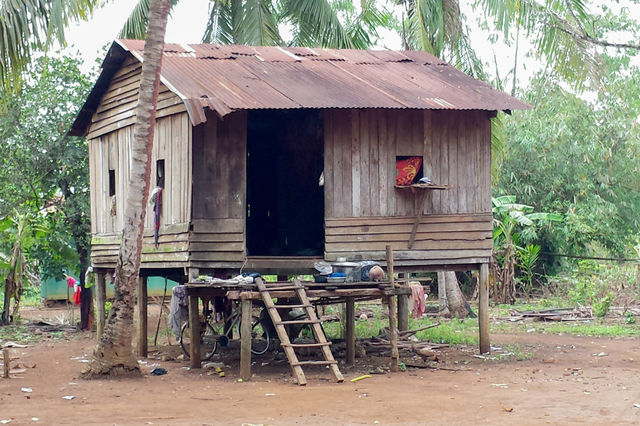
column 311, row 319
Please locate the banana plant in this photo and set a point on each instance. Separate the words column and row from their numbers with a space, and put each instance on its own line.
column 514, row 223
column 14, row 266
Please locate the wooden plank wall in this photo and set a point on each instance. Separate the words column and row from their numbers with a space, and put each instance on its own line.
column 441, row 238
column 219, row 191
column 360, row 153
column 361, row 203
column 117, row 107
column 110, row 136
column 172, row 248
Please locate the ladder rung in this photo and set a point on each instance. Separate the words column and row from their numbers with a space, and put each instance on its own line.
column 314, row 363
column 307, row 345
column 290, row 306
column 288, row 287
column 306, row 321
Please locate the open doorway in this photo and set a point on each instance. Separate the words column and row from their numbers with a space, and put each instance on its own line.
column 285, row 203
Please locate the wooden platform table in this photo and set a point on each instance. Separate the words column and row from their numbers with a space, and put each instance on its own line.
column 318, row 293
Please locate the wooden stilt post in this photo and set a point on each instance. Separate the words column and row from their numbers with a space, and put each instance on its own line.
column 483, row 308
column 351, row 330
column 403, row 312
column 403, row 309
column 194, row 327
column 100, row 300
column 245, row 338
column 6, row 359
column 393, row 320
column 142, row 317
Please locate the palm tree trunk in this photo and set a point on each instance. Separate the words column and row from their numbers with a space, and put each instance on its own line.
column 114, row 354
column 458, row 305
column 443, row 305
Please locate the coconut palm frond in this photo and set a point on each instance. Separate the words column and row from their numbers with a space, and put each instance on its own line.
column 257, row 25
column 29, row 26
column 317, row 24
column 220, row 24
column 556, row 26
column 135, row 26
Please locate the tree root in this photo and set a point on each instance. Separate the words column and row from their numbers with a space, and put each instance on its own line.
column 111, row 372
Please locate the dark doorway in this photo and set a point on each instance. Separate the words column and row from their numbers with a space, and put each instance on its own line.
column 285, row 203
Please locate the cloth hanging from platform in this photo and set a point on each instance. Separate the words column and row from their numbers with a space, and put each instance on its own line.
column 178, row 311
column 419, row 306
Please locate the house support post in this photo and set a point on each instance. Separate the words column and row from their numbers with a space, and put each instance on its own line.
column 192, row 274
column 194, row 328
column 393, row 319
column 403, row 307
column 142, row 347
column 245, row 337
column 483, row 308
column 351, row 330
column 100, row 301
column 403, row 312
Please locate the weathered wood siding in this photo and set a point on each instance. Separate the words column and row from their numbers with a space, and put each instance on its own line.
column 110, row 136
column 364, row 211
column 172, row 251
column 440, row 238
column 117, row 107
column 219, row 191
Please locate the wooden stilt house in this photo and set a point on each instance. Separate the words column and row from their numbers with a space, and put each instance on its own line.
column 272, row 158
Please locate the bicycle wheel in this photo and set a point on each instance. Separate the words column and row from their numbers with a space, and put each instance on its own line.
column 208, row 341
column 259, row 338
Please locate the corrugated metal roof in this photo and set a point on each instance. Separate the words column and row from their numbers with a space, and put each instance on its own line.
column 226, row 78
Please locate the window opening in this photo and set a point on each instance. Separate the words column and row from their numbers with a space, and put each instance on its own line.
column 112, row 183
column 160, row 173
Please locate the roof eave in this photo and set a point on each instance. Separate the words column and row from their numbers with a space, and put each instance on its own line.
column 110, row 65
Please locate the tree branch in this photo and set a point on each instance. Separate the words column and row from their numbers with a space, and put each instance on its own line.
column 592, row 40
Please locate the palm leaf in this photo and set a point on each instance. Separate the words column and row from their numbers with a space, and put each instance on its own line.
column 250, row 22
column 257, row 25
column 555, row 27
column 220, row 24
column 29, row 26
column 316, row 24
column 135, row 26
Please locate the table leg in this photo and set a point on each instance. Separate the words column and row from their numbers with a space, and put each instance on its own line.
column 245, row 340
column 194, row 323
column 351, row 330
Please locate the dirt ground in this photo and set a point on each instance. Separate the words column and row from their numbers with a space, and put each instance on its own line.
column 568, row 380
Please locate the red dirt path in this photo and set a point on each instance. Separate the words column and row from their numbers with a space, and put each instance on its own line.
column 565, row 382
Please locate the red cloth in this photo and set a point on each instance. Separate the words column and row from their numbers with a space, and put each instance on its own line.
column 76, row 294
column 407, row 170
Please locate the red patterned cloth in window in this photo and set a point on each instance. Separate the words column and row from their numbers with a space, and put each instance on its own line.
column 407, row 169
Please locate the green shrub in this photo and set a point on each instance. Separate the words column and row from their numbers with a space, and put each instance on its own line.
column 601, row 306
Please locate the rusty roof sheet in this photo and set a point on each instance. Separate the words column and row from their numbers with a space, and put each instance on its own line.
column 226, row 78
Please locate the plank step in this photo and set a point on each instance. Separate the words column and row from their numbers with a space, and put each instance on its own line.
column 307, row 345
column 291, row 306
column 282, row 288
column 314, row 363
column 305, row 321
